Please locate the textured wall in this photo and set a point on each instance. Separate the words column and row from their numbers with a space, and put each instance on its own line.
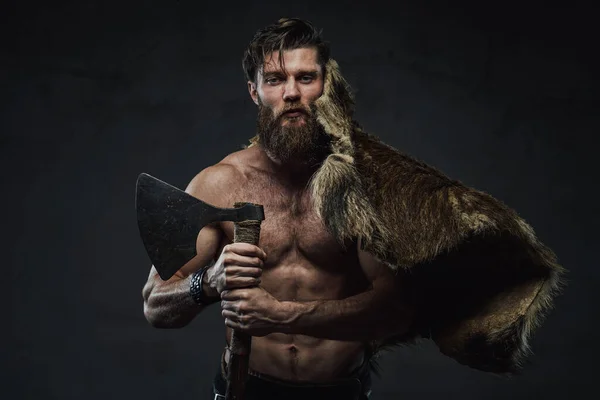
column 501, row 96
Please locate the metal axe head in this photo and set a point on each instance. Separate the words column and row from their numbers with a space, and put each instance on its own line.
column 169, row 221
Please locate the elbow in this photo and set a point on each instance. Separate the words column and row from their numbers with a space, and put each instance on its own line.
column 160, row 323
column 154, row 311
column 153, row 316
column 149, row 311
column 158, row 317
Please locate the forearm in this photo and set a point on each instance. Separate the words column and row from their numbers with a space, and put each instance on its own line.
column 367, row 316
column 170, row 305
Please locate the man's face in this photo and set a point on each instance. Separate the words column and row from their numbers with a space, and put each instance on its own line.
column 286, row 123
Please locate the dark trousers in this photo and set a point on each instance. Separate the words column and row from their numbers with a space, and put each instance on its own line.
column 263, row 387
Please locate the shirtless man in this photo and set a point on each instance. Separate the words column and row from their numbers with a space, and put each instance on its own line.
column 311, row 304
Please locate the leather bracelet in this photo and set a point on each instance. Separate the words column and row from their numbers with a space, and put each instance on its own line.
column 196, row 288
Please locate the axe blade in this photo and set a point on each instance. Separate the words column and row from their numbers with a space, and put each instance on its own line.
column 170, row 219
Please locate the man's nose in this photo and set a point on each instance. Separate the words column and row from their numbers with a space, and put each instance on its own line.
column 291, row 92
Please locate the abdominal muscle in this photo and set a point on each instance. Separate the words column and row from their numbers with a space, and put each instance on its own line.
column 300, row 357
column 304, row 263
column 303, row 358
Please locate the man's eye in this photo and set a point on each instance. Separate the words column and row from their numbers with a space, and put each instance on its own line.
column 272, row 81
column 306, row 79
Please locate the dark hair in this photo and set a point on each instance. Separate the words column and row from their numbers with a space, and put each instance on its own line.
column 285, row 34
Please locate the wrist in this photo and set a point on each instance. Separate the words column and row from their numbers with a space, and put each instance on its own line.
column 290, row 316
column 198, row 289
column 207, row 290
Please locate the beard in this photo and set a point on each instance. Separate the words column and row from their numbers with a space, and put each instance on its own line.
column 304, row 145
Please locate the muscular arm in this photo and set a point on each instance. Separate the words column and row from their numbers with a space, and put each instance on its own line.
column 168, row 304
column 374, row 314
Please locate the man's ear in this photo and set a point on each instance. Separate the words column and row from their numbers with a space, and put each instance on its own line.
column 253, row 92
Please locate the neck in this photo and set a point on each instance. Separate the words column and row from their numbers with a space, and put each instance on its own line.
column 296, row 173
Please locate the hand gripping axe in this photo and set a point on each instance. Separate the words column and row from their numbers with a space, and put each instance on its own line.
column 169, row 221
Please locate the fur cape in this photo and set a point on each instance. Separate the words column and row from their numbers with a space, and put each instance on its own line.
column 478, row 277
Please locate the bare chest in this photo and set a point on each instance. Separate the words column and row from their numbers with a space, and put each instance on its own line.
column 292, row 229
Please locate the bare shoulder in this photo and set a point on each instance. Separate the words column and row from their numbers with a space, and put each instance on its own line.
column 247, row 159
column 214, row 184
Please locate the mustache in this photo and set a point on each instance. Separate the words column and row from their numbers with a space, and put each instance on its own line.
column 294, row 108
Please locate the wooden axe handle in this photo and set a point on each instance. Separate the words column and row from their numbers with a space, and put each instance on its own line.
column 239, row 348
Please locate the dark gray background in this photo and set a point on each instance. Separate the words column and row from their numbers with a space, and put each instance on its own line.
column 501, row 95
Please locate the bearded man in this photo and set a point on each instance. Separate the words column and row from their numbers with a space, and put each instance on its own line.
column 362, row 246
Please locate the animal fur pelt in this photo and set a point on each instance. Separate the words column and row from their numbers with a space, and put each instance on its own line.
column 480, row 280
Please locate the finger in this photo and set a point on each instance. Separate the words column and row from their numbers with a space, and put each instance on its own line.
column 228, row 314
column 235, row 306
column 245, row 249
column 231, row 324
column 236, row 260
column 239, row 271
column 241, row 283
column 233, row 294
column 234, row 325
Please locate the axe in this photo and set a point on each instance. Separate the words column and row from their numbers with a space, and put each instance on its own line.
column 169, row 221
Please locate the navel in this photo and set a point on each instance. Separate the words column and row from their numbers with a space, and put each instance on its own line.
column 293, row 351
